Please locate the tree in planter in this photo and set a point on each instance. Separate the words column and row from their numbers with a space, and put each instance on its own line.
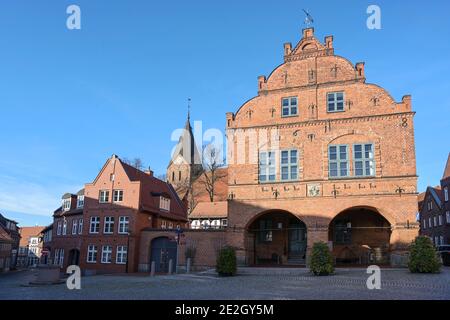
column 423, row 257
column 226, row 262
column 321, row 260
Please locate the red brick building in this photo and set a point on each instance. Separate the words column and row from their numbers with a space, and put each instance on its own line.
column 435, row 210
column 30, row 246
column 321, row 155
column 67, row 231
column 118, row 205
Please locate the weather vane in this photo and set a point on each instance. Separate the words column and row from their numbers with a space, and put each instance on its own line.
column 309, row 19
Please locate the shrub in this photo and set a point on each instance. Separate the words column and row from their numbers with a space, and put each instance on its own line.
column 226, row 262
column 423, row 257
column 321, row 263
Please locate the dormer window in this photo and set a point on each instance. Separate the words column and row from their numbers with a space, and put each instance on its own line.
column 335, row 102
column 289, row 107
column 164, row 203
column 80, row 202
column 66, row 204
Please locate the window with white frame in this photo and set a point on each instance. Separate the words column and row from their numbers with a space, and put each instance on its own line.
column 118, row 196
column 446, row 194
column 424, row 223
column 66, row 204
column 108, row 226
column 447, row 216
column 80, row 226
column 80, row 202
column 441, row 240
column 56, row 258
column 436, row 240
column 224, row 222
column 163, row 224
column 170, row 226
column 64, row 231
column 106, row 254
column 289, row 107
column 338, row 161
column 94, row 225
column 267, row 166
column 121, row 256
column 335, row 101
column 289, row 165
column 74, row 226
column 363, row 160
column 92, row 254
column 430, row 222
column 103, row 196
column 61, row 257
column 430, row 205
column 440, row 220
column 435, row 221
column 195, row 224
column 58, row 228
column 164, row 203
column 123, row 224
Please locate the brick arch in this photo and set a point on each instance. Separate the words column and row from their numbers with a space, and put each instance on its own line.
column 386, row 215
column 265, row 212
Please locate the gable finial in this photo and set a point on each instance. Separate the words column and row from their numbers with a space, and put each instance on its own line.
column 309, row 19
column 189, row 109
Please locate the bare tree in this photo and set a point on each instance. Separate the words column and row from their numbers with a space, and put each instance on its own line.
column 136, row 162
column 212, row 162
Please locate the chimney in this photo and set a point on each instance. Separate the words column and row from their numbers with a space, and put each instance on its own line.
column 308, row 32
column 360, row 69
column 261, row 82
column 287, row 48
column 149, row 172
column 329, row 42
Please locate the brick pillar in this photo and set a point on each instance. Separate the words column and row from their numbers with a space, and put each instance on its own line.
column 315, row 233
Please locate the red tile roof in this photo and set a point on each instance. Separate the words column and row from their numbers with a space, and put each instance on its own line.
column 27, row 232
column 217, row 209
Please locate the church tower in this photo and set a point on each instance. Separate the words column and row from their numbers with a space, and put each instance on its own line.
column 186, row 163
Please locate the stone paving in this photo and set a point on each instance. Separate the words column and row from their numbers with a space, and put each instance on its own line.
column 262, row 284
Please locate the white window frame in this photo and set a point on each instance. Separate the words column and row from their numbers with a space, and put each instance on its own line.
column 94, row 221
column 108, row 223
column 74, row 226
column 289, row 165
column 290, row 105
column 335, row 102
column 435, row 221
column 338, row 161
column 61, row 258
column 164, row 203
column 447, row 216
column 123, row 225
column 163, row 224
column 424, row 224
column 106, row 253
column 80, row 201
column 267, row 166
column 91, row 254
column 64, row 230
column 446, row 194
column 80, row 226
column 103, row 196
column 117, row 195
column 366, row 158
column 440, row 219
column 66, row 204
column 430, row 222
column 121, row 254
column 59, row 228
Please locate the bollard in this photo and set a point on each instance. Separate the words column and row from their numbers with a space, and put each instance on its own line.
column 152, row 272
column 170, row 266
column 188, row 265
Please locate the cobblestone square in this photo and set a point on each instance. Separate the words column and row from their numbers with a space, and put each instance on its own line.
column 264, row 284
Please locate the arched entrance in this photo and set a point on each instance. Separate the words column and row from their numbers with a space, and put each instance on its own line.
column 74, row 257
column 276, row 238
column 162, row 251
column 360, row 236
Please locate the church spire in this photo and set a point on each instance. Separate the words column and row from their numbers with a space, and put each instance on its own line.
column 189, row 110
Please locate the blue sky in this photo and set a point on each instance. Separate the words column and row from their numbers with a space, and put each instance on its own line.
column 71, row 98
